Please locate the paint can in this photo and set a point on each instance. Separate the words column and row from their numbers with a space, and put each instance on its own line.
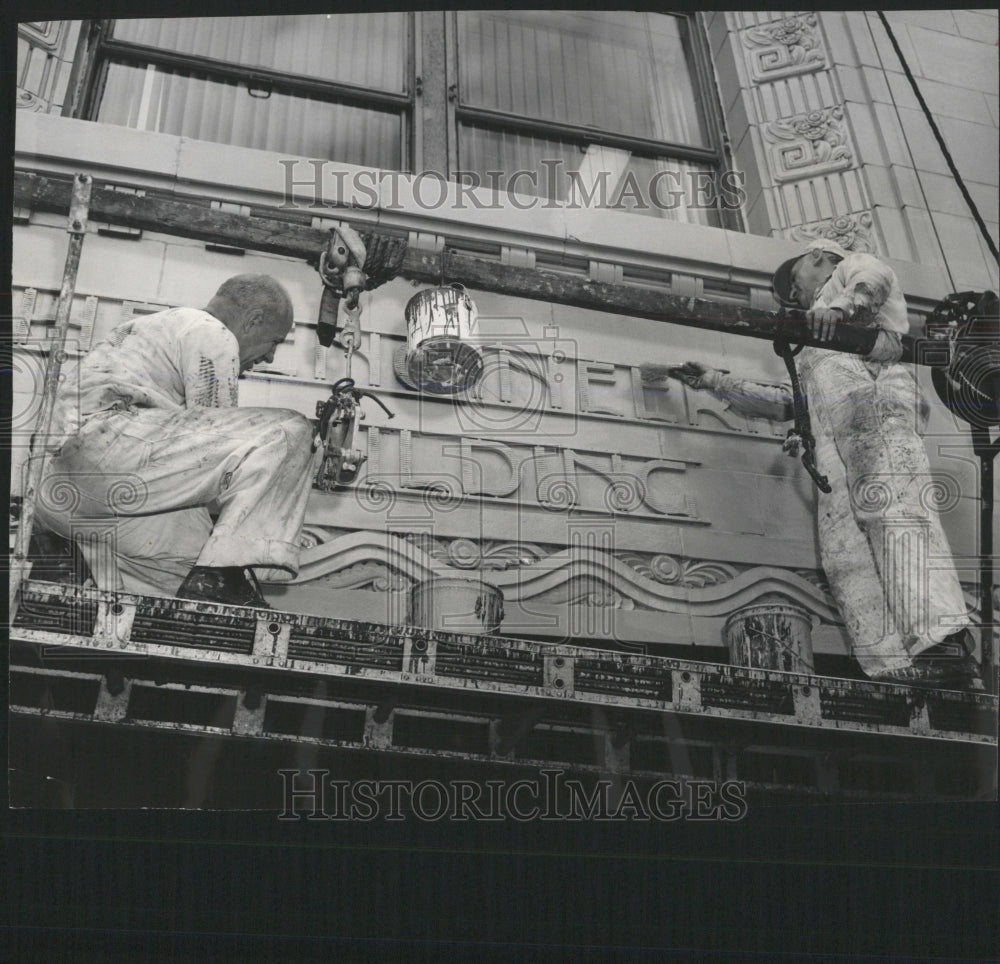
column 441, row 329
column 456, row 605
column 773, row 633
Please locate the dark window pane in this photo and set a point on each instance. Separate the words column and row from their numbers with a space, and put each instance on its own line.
column 151, row 99
column 630, row 73
column 364, row 49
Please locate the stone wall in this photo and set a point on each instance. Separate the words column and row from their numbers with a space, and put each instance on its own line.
column 833, row 140
column 722, row 516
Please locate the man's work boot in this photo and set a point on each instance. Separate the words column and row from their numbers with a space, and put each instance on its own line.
column 952, row 661
column 232, row 585
column 949, row 665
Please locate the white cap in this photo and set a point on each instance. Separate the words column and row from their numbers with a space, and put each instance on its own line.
column 824, row 244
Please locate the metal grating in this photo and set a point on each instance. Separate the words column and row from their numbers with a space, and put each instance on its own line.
column 327, row 644
column 761, row 695
column 605, row 674
column 325, row 648
column 866, row 708
column 168, row 626
column 57, row 614
column 471, row 661
column 956, row 717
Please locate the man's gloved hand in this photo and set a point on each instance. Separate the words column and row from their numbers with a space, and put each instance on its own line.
column 696, row 375
column 692, row 373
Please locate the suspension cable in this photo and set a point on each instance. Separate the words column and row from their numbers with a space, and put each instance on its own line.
column 937, row 135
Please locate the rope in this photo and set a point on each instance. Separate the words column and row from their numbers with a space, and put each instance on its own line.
column 800, row 406
column 937, row 136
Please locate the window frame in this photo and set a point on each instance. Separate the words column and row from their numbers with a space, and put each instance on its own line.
column 430, row 108
column 103, row 49
column 584, row 135
column 717, row 154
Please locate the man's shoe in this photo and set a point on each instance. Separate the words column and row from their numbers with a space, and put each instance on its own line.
column 232, row 585
column 949, row 665
column 952, row 662
column 918, row 675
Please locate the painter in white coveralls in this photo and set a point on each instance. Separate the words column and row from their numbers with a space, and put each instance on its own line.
column 882, row 546
column 165, row 484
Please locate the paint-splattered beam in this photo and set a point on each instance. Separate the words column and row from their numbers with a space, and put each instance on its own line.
column 185, row 218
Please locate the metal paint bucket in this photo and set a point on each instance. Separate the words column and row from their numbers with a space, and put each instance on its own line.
column 441, row 326
column 456, row 605
column 774, row 633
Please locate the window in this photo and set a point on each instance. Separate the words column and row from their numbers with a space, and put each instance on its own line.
column 596, row 107
column 610, row 97
column 308, row 85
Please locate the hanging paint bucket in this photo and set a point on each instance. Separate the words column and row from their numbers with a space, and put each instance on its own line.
column 456, row 605
column 441, row 328
column 771, row 634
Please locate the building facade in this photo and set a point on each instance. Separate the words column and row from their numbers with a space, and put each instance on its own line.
column 688, row 154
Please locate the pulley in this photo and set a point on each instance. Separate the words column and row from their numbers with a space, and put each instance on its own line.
column 968, row 381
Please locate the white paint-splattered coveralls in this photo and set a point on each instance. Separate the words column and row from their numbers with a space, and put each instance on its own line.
column 882, row 546
column 148, row 445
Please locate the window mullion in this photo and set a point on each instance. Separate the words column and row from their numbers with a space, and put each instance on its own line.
column 450, row 85
column 431, row 111
column 86, row 68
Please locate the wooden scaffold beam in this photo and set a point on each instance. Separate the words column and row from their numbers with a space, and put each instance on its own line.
column 186, row 219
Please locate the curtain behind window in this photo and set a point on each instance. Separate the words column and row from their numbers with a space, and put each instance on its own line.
column 151, row 99
column 623, row 72
column 631, row 183
column 365, row 50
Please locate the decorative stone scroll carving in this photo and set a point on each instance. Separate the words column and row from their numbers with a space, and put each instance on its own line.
column 783, row 49
column 816, row 577
column 853, row 232
column 462, row 553
column 807, row 145
column 27, row 100
column 675, row 571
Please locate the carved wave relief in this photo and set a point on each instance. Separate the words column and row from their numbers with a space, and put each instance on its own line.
column 383, row 561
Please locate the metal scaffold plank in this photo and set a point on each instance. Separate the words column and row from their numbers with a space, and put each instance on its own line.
column 406, row 657
column 537, row 738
